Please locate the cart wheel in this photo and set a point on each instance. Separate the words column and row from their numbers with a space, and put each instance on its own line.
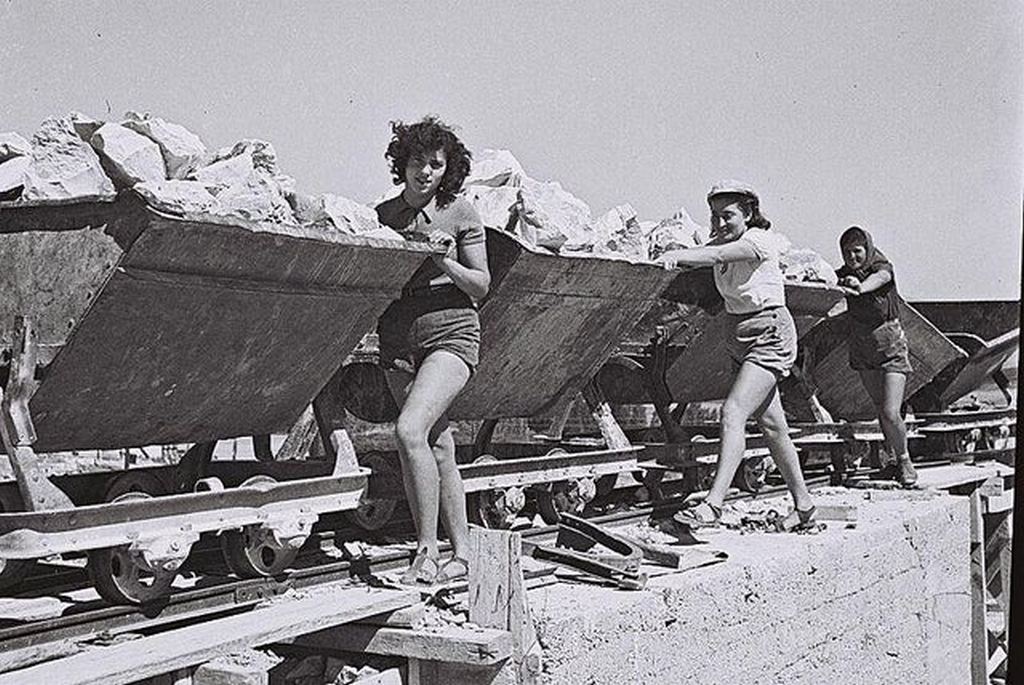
column 752, row 474
column 12, row 571
column 121, row 577
column 134, row 481
column 253, row 551
column 494, row 508
column 564, row 498
column 373, row 513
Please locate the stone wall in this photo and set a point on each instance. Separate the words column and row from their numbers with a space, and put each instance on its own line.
column 885, row 602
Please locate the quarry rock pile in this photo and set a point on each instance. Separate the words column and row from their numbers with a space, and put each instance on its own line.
column 77, row 157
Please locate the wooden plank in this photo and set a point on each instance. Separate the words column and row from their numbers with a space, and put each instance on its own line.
column 300, row 437
column 479, row 647
column 406, row 617
column 497, row 596
column 278, row 620
column 979, row 631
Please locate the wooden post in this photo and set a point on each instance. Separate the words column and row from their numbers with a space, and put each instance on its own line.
column 300, row 437
column 497, row 596
column 612, row 433
column 979, row 632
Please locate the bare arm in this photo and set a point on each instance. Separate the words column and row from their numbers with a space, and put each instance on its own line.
column 709, row 255
column 469, row 272
column 869, row 284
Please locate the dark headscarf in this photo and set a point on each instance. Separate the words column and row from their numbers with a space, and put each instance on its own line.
column 856, row 234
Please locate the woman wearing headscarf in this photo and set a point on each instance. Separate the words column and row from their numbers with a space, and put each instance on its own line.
column 877, row 343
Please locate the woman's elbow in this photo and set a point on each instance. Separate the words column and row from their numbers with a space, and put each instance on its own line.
column 482, row 287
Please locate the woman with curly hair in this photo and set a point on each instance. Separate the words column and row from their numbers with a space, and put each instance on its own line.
column 430, row 337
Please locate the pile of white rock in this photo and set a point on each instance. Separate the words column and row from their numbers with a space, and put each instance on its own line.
column 76, row 157
column 545, row 215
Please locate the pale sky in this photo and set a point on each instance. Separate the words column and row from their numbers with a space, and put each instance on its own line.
column 903, row 117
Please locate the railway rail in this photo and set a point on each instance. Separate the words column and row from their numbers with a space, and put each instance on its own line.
column 211, row 592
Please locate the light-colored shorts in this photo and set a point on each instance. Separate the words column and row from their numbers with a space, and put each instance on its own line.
column 882, row 348
column 766, row 338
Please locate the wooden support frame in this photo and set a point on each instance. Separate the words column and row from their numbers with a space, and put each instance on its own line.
column 497, row 597
column 183, row 647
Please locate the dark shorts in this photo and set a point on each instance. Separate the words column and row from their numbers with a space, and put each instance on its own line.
column 766, row 338
column 416, row 325
column 882, row 348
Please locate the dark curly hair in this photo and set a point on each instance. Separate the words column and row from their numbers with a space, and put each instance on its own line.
column 424, row 137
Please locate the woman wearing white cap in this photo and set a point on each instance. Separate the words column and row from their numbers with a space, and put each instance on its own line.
column 745, row 256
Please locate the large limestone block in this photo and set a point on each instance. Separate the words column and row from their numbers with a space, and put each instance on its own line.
column 567, row 214
column 12, row 177
column 13, row 145
column 232, row 165
column 494, row 205
column 178, row 197
column 225, row 172
column 182, row 150
column 131, row 157
column 807, row 265
column 495, row 168
column 257, row 198
column 676, row 232
column 349, row 216
column 620, row 235
column 63, row 165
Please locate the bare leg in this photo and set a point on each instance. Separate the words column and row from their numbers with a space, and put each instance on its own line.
column 747, row 397
column 424, row 400
column 776, row 432
column 886, row 391
column 453, row 494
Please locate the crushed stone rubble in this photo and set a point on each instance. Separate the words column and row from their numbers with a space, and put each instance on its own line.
column 321, row 670
column 76, row 156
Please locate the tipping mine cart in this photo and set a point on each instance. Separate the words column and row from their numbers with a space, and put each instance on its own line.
column 548, row 324
column 956, row 424
column 124, row 326
column 677, row 356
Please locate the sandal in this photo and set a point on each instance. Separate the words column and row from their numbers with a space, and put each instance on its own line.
column 422, row 571
column 703, row 515
column 454, row 569
column 801, row 519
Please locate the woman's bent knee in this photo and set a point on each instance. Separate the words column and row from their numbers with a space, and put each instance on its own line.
column 410, row 434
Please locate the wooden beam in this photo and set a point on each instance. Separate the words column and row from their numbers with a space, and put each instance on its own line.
column 497, row 596
column 475, row 647
column 979, row 632
column 406, row 617
column 278, row 620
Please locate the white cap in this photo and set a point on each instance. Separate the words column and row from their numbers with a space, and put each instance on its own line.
column 732, row 187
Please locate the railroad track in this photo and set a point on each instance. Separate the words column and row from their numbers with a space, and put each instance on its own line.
column 216, row 594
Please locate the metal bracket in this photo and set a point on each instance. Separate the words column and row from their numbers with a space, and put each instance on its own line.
column 655, row 367
column 17, row 430
column 163, row 554
column 576, row 537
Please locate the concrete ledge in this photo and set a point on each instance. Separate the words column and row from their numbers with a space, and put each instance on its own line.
column 887, row 601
